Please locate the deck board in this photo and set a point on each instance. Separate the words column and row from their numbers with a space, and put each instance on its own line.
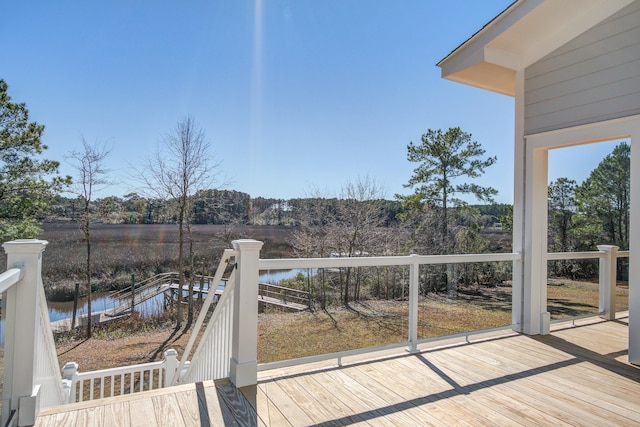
column 579, row 375
column 168, row 410
column 142, row 413
column 287, row 405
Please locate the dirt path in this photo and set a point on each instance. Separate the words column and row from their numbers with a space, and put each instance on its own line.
column 141, row 347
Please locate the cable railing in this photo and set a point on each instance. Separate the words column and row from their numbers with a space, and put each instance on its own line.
column 413, row 262
column 227, row 345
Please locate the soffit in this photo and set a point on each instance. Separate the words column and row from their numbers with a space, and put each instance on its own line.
column 522, row 34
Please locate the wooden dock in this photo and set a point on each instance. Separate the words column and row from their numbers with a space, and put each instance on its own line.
column 578, row 375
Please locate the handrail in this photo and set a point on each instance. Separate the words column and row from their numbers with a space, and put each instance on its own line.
column 554, row 256
column 47, row 369
column 298, row 291
column 10, row 278
column 291, row 263
column 211, row 360
column 281, row 293
column 144, row 284
column 124, row 307
column 224, row 261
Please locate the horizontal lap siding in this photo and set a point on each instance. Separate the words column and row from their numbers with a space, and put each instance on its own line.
column 592, row 78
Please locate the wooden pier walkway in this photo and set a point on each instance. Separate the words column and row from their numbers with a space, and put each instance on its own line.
column 285, row 298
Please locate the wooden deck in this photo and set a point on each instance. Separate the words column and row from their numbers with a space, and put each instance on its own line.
column 578, row 375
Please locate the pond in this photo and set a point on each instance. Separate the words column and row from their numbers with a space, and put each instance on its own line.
column 103, row 301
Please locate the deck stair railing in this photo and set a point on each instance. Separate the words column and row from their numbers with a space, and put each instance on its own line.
column 32, row 376
column 81, row 386
column 211, row 358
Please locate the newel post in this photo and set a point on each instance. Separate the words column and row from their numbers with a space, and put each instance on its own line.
column 69, row 371
column 171, row 364
column 607, row 299
column 244, row 342
column 21, row 314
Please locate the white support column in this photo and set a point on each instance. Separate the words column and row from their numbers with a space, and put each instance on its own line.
column 20, row 312
column 634, row 250
column 518, row 205
column 414, row 285
column 244, row 347
column 607, row 295
column 535, row 317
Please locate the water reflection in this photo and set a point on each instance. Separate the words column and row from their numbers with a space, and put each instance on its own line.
column 152, row 306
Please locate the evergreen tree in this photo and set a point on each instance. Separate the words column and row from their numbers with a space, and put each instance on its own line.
column 28, row 183
column 443, row 158
column 561, row 206
column 603, row 201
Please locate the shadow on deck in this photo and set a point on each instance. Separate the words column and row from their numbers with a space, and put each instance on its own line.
column 578, row 375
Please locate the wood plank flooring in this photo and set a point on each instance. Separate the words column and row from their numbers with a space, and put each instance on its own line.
column 577, row 376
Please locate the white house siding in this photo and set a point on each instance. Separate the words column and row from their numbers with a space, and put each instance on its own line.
column 594, row 77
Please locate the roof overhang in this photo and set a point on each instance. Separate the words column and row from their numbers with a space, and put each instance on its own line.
column 523, row 33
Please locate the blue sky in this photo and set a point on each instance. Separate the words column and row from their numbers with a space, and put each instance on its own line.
column 295, row 96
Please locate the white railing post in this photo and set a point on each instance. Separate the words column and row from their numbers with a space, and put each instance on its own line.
column 414, row 285
column 607, row 300
column 244, row 342
column 69, row 371
column 21, row 313
column 170, row 366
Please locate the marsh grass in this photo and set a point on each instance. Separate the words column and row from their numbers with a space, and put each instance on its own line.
column 125, row 252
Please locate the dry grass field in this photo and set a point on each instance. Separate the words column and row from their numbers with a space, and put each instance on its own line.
column 290, row 335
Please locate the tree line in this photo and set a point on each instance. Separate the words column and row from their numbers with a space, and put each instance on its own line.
column 594, row 212
column 211, row 206
column 179, row 186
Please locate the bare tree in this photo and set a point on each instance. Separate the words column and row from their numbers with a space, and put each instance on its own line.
column 182, row 166
column 360, row 220
column 315, row 219
column 91, row 177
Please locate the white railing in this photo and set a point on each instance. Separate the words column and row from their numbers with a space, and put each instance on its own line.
column 81, row 386
column 608, row 256
column 228, row 346
column 31, row 373
column 47, row 369
column 212, row 356
column 10, row 278
column 413, row 261
column 211, row 360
